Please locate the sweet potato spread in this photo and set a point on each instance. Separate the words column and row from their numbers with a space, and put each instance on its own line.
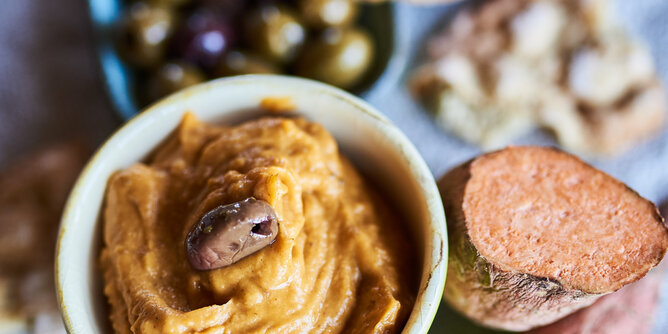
column 339, row 262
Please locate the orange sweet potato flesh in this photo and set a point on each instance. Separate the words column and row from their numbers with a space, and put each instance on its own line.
column 555, row 217
column 536, row 234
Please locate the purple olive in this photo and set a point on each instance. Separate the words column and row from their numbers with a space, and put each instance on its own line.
column 204, row 38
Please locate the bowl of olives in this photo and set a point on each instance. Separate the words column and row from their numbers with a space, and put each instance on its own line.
column 152, row 48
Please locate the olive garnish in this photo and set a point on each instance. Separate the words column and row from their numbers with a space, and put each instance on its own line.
column 229, row 233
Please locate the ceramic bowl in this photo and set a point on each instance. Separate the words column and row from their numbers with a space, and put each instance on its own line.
column 120, row 80
column 376, row 147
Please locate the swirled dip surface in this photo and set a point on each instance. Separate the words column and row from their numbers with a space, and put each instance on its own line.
column 339, row 263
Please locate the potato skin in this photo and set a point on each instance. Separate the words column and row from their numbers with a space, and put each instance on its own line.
column 488, row 295
column 632, row 309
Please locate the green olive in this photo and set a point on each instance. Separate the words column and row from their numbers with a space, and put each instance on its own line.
column 340, row 57
column 275, row 32
column 144, row 32
column 172, row 77
column 328, row 13
column 239, row 62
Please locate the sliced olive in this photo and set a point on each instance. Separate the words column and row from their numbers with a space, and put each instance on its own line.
column 172, row 77
column 328, row 13
column 229, row 233
column 241, row 62
column 144, row 31
column 339, row 57
column 275, row 32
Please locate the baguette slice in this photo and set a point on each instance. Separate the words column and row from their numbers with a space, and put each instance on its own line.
column 536, row 233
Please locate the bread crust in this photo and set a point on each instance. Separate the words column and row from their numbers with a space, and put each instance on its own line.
column 504, row 68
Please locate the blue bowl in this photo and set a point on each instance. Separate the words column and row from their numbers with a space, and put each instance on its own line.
column 120, row 79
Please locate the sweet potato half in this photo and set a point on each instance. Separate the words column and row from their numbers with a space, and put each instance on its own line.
column 536, row 233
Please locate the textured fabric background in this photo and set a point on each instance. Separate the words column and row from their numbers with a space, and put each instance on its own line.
column 49, row 84
column 50, row 89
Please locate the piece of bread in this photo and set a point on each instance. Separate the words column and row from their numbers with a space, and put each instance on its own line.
column 535, row 234
column 505, row 67
column 34, row 190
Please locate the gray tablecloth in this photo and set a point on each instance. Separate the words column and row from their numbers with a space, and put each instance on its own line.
column 49, row 84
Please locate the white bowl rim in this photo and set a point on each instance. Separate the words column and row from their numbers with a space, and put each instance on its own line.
column 432, row 277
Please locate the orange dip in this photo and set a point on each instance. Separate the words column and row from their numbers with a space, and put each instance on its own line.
column 339, row 263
